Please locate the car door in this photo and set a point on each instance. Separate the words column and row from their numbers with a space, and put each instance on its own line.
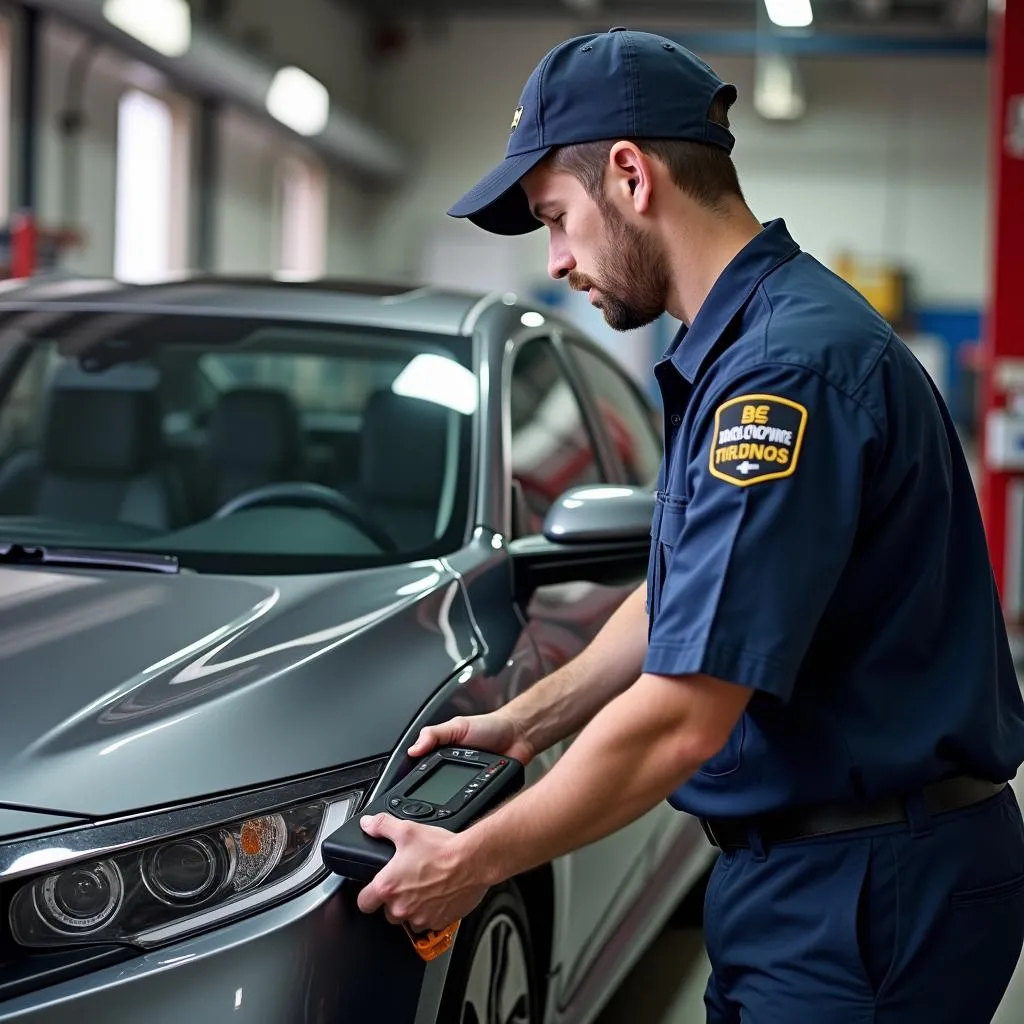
column 553, row 448
column 632, row 427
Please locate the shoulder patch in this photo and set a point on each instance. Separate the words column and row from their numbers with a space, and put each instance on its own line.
column 757, row 438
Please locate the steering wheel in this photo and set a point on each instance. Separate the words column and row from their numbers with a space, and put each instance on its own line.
column 309, row 495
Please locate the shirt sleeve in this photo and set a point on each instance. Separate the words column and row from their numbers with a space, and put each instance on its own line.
column 775, row 465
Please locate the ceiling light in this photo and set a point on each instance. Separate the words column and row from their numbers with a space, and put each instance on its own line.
column 789, row 13
column 163, row 25
column 299, row 101
column 532, row 319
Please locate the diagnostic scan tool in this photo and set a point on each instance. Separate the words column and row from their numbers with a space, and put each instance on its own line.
column 451, row 788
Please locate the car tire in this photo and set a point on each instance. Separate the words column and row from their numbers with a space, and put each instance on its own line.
column 493, row 942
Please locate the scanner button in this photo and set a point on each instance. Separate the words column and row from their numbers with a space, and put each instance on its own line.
column 417, row 809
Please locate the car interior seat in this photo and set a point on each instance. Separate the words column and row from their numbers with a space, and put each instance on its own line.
column 255, row 439
column 403, row 455
column 101, row 456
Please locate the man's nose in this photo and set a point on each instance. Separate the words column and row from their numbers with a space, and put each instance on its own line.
column 560, row 261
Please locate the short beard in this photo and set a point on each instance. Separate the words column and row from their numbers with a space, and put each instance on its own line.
column 633, row 274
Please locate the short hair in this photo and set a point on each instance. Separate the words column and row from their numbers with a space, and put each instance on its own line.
column 702, row 170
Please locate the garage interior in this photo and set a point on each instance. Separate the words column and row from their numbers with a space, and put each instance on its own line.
column 145, row 141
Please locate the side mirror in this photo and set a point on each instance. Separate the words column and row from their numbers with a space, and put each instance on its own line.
column 598, row 533
column 606, row 514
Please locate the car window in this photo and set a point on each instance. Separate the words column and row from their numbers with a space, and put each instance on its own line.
column 629, row 422
column 157, row 432
column 552, row 449
column 340, row 383
column 21, row 411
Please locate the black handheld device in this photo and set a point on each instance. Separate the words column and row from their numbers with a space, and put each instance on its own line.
column 451, row 788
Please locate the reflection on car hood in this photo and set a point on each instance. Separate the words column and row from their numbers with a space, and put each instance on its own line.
column 123, row 692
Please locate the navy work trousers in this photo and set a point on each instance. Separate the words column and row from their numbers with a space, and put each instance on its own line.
column 904, row 924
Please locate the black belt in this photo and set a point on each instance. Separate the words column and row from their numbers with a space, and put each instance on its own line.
column 829, row 819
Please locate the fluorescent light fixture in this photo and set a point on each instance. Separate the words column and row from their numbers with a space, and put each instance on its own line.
column 439, row 380
column 163, row 25
column 789, row 13
column 778, row 90
column 298, row 100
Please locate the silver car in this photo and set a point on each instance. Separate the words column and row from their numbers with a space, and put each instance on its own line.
column 254, row 536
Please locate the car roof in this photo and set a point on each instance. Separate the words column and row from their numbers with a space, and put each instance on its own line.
column 370, row 303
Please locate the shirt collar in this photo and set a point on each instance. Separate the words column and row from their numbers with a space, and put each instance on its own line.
column 729, row 294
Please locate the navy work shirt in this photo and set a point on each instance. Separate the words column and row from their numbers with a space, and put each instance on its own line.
column 817, row 538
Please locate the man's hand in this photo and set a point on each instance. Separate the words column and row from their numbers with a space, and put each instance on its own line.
column 561, row 704
column 497, row 732
column 429, row 883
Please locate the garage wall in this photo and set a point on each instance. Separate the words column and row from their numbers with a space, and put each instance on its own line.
column 245, row 231
column 890, row 161
column 319, row 35
column 88, row 183
column 328, row 41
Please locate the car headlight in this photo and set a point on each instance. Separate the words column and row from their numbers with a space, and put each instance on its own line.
column 153, row 892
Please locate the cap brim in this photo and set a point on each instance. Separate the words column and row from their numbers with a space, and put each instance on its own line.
column 497, row 203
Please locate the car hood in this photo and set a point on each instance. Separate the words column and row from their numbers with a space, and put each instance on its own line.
column 124, row 691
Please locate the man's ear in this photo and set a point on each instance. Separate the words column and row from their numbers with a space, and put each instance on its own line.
column 629, row 176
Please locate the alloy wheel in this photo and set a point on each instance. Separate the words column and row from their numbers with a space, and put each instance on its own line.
column 498, row 988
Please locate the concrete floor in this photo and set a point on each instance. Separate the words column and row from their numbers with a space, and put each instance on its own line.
column 667, row 986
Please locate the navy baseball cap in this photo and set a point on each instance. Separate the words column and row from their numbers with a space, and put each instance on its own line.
column 609, row 85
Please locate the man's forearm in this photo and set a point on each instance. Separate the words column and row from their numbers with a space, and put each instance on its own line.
column 563, row 702
column 632, row 755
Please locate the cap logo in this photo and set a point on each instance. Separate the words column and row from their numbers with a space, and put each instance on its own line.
column 515, row 118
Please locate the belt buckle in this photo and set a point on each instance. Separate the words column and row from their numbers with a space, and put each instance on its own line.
column 710, row 833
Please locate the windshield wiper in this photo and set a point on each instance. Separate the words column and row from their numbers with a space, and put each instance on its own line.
column 12, row 553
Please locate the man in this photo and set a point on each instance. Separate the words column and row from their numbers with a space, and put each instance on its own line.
column 817, row 665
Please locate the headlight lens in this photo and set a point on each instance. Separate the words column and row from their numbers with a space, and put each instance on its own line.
column 154, row 892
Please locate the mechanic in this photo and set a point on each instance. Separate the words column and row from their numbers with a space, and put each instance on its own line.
column 817, row 666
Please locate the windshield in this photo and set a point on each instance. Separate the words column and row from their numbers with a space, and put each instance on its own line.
column 234, row 445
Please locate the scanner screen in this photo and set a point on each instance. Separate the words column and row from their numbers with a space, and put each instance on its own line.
column 444, row 782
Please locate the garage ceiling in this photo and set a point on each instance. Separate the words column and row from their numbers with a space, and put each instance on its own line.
column 944, row 17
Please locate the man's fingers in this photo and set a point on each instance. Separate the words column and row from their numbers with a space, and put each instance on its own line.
column 432, row 736
column 425, row 742
column 383, row 826
column 377, row 896
column 369, row 899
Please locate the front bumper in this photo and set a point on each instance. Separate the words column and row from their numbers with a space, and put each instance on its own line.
column 313, row 960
